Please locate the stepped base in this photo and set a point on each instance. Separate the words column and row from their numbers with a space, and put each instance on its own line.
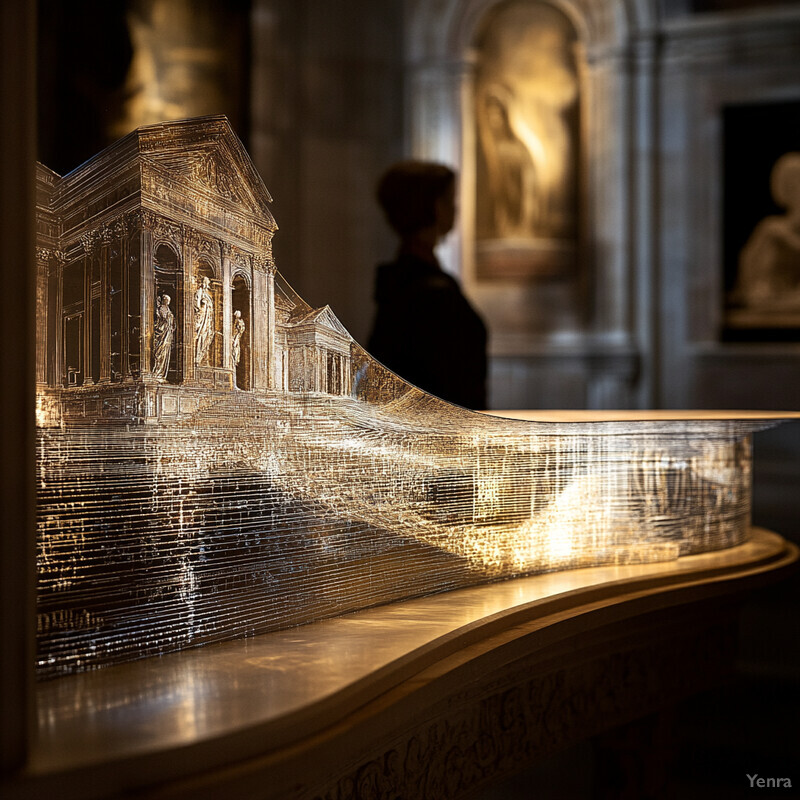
column 139, row 403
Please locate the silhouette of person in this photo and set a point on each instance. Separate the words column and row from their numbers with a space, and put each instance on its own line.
column 425, row 330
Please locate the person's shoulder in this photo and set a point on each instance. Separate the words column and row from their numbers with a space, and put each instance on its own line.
column 406, row 273
column 438, row 282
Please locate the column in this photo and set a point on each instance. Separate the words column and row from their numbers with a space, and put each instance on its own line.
column 227, row 311
column 190, row 286
column 109, row 240
column 124, row 254
column 89, row 241
column 42, row 298
column 133, row 307
column 262, row 334
column 146, row 299
column 56, row 309
column 271, row 365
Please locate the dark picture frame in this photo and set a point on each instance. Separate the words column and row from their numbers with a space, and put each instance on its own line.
column 755, row 137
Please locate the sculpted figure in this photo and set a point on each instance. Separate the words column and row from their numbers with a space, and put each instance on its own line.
column 527, row 121
column 511, row 170
column 769, row 264
column 163, row 334
column 203, row 321
column 236, row 342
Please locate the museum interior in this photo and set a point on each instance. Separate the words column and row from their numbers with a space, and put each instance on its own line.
column 627, row 227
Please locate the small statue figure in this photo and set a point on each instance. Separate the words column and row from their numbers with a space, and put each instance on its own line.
column 236, row 343
column 163, row 334
column 511, row 171
column 203, row 321
column 769, row 264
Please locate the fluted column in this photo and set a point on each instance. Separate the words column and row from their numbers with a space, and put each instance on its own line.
column 146, row 300
column 43, row 256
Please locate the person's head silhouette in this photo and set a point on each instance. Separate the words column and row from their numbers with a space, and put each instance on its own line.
column 418, row 199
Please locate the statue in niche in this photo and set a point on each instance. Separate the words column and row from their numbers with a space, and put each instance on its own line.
column 236, row 341
column 203, row 321
column 769, row 264
column 163, row 334
column 526, row 104
column 510, row 169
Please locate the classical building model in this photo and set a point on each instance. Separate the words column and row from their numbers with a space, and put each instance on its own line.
column 217, row 459
column 157, row 290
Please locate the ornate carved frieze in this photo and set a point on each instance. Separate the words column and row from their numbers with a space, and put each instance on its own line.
column 265, row 263
column 201, row 245
column 111, row 233
column 162, row 228
column 47, row 258
column 154, row 186
column 482, row 735
column 241, row 260
column 91, row 240
column 105, row 234
column 237, row 257
column 133, row 219
column 204, row 169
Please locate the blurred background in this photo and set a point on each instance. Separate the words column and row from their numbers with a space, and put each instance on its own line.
column 617, row 160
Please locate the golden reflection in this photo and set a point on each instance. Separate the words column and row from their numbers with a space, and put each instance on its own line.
column 179, row 512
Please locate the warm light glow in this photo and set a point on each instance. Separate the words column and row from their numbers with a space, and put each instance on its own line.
column 184, row 498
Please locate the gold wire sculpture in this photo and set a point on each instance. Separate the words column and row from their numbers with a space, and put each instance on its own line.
column 218, row 459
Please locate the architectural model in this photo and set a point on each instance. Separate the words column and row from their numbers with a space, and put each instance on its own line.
column 218, row 459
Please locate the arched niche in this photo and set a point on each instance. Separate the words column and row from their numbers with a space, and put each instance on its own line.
column 527, row 102
column 241, row 337
column 569, row 333
column 169, row 283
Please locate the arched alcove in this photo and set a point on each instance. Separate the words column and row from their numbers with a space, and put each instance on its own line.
column 527, row 97
column 241, row 358
column 566, row 311
column 169, row 283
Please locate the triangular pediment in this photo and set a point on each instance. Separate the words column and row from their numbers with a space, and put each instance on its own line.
column 324, row 317
column 330, row 320
column 205, row 154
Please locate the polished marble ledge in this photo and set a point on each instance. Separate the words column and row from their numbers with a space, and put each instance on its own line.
column 254, row 695
column 661, row 415
column 665, row 421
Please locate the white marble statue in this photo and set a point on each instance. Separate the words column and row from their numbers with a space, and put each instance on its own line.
column 236, row 341
column 203, row 321
column 769, row 264
column 163, row 334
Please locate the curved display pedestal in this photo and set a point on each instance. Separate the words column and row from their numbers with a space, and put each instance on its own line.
column 428, row 698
